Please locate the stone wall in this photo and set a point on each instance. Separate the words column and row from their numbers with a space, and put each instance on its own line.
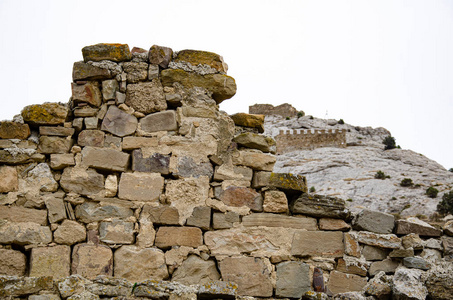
column 141, row 188
column 285, row 110
column 291, row 140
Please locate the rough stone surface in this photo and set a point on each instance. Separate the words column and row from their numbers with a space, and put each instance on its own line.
column 113, row 52
column 136, row 71
column 341, row 282
column 54, row 144
column 9, row 182
column 390, row 241
column 293, row 279
column 90, row 261
column 407, row 284
column 22, row 286
column 201, row 217
column 167, row 237
column 87, row 93
column 196, row 58
column 249, row 120
column 374, row 221
column 136, row 142
column 274, row 220
column 118, row 122
column 416, row 263
column 141, row 186
column 275, row 202
column 320, row 206
column 84, row 71
column 440, row 281
column 224, row 220
column 16, row 213
column 138, row 264
column 105, row 159
column 255, row 141
column 323, row 243
column 116, row 232
column 14, row 130
column 448, row 228
column 351, row 246
column 45, row 114
column 109, row 89
column 81, row 181
column 255, row 160
column 333, row 224
column 93, row 138
column 61, row 161
column 146, row 97
column 187, row 166
column 56, row 209
column 241, row 196
column 70, row 233
column 12, row 262
column 161, row 56
column 379, row 286
column 159, row 121
column 352, row 266
column 414, row 225
column 374, row 253
column 50, row 261
column 161, row 215
column 24, row 233
column 401, row 253
column 155, row 163
column 387, row 265
column 56, row 131
column 195, row 270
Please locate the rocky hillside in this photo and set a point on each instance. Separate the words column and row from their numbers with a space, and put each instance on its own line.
column 350, row 172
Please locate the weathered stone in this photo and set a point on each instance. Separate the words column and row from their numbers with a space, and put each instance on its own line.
column 412, row 240
column 61, row 161
column 288, row 181
column 387, row 265
column 45, row 114
column 56, row 209
column 341, row 283
column 84, row 71
column 14, row 156
column 448, row 228
column 23, row 286
column 135, row 142
column 138, row 264
column 155, row 163
column 374, row 253
column 44, row 297
column 250, row 274
column 81, row 181
column 293, row 279
column 390, row 241
column 414, row 225
column 255, row 141
column 229, row 172
column 118, row 122
column 93, row 212
column 187, row 166
column 109, row 89
column 374, row 221
column 217, row 290
column 9, row 182
column 440, row 281
column 113, row 52
column 153, row 73
column 224, row 220
column 94, row 138
column 432, row 243
column 141, row 186
column 90, row 261
column 195, row 58
column 70, row 233
column 195, row 270
column 136, row 71
column 447, row 243
column 201, row 217
column 379, row 286
column 322, row 243
column 54, row 144
column 249, row 120
column 408, row 284
column 50, row 261
column 275, row 202
column 146, row 97
column 12, row 262
column 161, row 56
column 255, row 160
column 14, row 130
column 56, row 130
column 92, row 122
column 111, row 185
column 416, row 263
column 116, row 232
column 105, row 159
column 351, row 246
column 431, row 255
column 333, row 224
column 241, row 196
column 161, row 215
column 160, row 121
column 401, row 253
column 87, row 93
column 221, row 86
column 274, row 220
column 85, row 111
column 167, row 237
column 146, row 233
column 24, row 233
column 311, row 295
column 39, row 179
column 352, row 266
column 320, row 206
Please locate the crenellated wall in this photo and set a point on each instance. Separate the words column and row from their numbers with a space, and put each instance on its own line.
column 291, row 140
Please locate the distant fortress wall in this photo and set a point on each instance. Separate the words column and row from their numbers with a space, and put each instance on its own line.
column 291, row 140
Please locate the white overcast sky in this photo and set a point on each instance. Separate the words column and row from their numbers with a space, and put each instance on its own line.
column 385, row 63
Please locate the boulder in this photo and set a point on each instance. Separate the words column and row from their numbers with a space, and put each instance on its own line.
column 45, row 114
column 113, row 52
column 141, row 186
column 84, row 71
column 119, row 122
column 293, row 279
column 195, row 270
column 249, row 120
column 408, row 284
column 320, row 206
column 90, row 261
column 374, row 221
column 81, row 181
column 50, row 261
column 322, row 243
column 12, row 262
column 146, row 97
column 105, row 159
column 14, row 130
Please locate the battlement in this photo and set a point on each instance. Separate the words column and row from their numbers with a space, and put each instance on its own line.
column 303, row 139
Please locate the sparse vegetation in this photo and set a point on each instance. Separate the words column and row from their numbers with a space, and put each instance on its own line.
column 393, row 198
column 406, row 182
column 349, row 200
column 389, row 142
column 288, row 118
column 341, row 122
column 432, row 192
column 311, row 118
column 450, row 170
column 312, row 189
column 381, row 175
column 300, row 114
column 446, row 205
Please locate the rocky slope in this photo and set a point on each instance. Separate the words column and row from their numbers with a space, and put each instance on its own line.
column 349, row 173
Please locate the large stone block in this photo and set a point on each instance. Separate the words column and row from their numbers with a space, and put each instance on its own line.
column 374, row 253
column 342, row 283
column 161, row 56
column 94, row 212
column 320, row 206
column 201, row 217
column 105, row 159
column 159, row 121
column 109, row 89
column 61, row 161
column 12, row 262
column 187, row 166
column 195, row 270
column 155, row 163
column 54, row 144
column 24, row 233
column 24, row 286
column 136, row 71
column 84, row 71
column 80, row 181
column 88, row 93
column 113, row 52
column 93, row 138
column 119, row 122
column 293, row 279
column 19, row 213
column 136, row 142
column 249, row 120
column 167, row 237
column 45, row 114
column 161, row 215
column 408, row 284
column 146, row 97
column 274, row 220
column 56, row 130
column 70, row 233
column 250, row 274
column 56, row 209
column 389, row 241
column 196, row 58
column 318, row 243
column 242, row 196
column 141, row 186
column 138, row 264
column 50, row 261
column 374, row 221
column 116, row 232
column 90, row 261
column 414, row 225
column 14, row 130
column 275, row 202
column 255, row 141
column 9, row 182
column 224, row 220
column 256, row 160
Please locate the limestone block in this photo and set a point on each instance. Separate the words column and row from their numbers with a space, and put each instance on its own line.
column 249, row 120
column 401, row 253
column 352, row 266
column 341, row 283
column 374, row 221
column 448, row 228
column 390, row 241
column 92, row 122
column 39, row 178
column 14, row 130
column 250, row 274
column 50, row 261
column 24, row 233
column 229, row 172
column 241, row 196
column 412, row 240
column 119, row 122
column 205, row 58
column 224, row 220
column 12, row 262
column 54, row 144
column 116, row 232
column 136, row 142
column 408, row 284
column 141, row 186
column 113, row 52
column 61, row 161
column 19, row 213
column 56, row 209
column 387, row 265
column 109, row 89
column 351, row 246
column 94, row 212
column 374, row 253
column 320, row 206
column 255, row 141
column 70, row 233
column 195, row 270
column 155, row 163
column 431, row 255
column 111, row 141
column 322, row 243
column 432, row 243
column 81, row 181
column 274, row 220
column 416, row 263
column 87, row 93
column 146, row 97
column 159, row 121
column 161, row 56
column 105, row 159
column 94, row 138
column 146, row 233
column 293, row 279
column 24, row 286
column 90, row 261
column 187, row 166
column 201, row 217
column 56, row 131
column 414, row 225
column 153, row 73
column 333, row 224
column 138, row 264
column 111, row 185
column 136, row 71
column 275, row 202
column 161, row 215
column 84, row 71
column 167, row 237
column 255, row 160
column 45, row 114
column 9, row 182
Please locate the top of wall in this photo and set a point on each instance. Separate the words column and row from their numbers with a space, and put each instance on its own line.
column 285, row 110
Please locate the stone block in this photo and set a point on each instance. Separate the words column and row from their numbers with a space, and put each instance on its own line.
column 105, row 159
column 412, row 240
column 217, row 290
column 136, row 142
column 408, row 284
column 90, row 261
column 56, row 131
column 61, row 161
column 161, row 215
column 88, row 93
column 85, row 111
column 167, row 237
column 155, row 163
column 146, row 97
column 448, row 228
column 84, row 71
column 109, row 89
column 333, row 224
column 249, row 120
column 15, row 158
column 50, row 261
column 274, row 220
column 159, row 121
column 401, row 253
column 14, row 130
column 19, row 213
column 136, row 71
column 113, row 52
column 141, row 186
column 81, row 181
column 414, row 225
column 416, row 263
column 12, row 262
column 89, row 212
column 54, row 144
column 138, row 264
column 341, row 283
column 24, row 233
column 241, row 196
column 255, row 141
column 229, row 172
column 161, row 56
column 24, row 286
column 256, row 160
column 119, row 122
column 56, row 209
column 195, row 270
column 275, row 202
column 195, row 58
column 45, row 114
column 389, row 241
column 321, row 243
column 153, row 72
column 224, row 220
column 111, row 185
column 187, row 166
column 201, row 217
column 387, row 265
column 320, row 206
column 116, row 232
column 111, row 141
column 70, row 233
column 374, row 221
column 374, row 253
column 352, row 266
column 288, row 181
column 9, row 182
column 250, row 274
column 92, row 122
column 293, row 279
column 447, row 244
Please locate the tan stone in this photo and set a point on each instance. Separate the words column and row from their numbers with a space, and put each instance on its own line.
column 161, row 215
column 9, row 182
column 380, row 240
column 320, row 206
column 351, row 246
column 196, row 57
column 61, row 161
column 254, row 159
column 105, row 159
column 161, row 56
column 146, row 97
column 84, row 71
column 119, row 122
column 113, row 52
column 56, row 209
column 134, row 142
column 90, row 261
column 18, row 213
column 45, row 114
column 342, row 283
column 201, row 217
column 249, row 120
column 56, row 130
column 50, row 261
column 87, row 93
column 159, row 121
column 374, row 253
column 195, row 270
column 242, row 196
column 94, row 138
column 70, row 233
column 146, row 233
column 136, row 71
column 448, row 228
column 12, row 262
column 24, row 233
column 111, row 185
column 116, row 232
column 414, row 225
column 412, row 240
column 275, row 202
column 81, row 181
column 88, row 212
column 387, row 265
column 54, row 144
column 14, row 130
column 274, row 220
column 333, row 224
column 141, row 186
column 138, row 264
column 256, row 141
column 167, row 237
column 352, row 266
column 318, row 243
column 224, row 220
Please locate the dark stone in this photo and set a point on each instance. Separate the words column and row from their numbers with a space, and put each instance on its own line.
column 320, row 206
column 156, row 163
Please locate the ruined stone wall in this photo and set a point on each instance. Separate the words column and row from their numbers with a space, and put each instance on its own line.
column 285, row 110
column 291, row 140
column 141, row 188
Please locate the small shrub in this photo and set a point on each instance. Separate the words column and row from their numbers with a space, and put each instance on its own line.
column 300, row 114
column 380, row 175
column 450, row 170
column 406, row 182
column 341, row 122
column 311, row 118
column 446, row 205
column 406, row 206
column 393, row 198
column 389, row 142
column 312, row 189
column 288, row 118
column 349, row 200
